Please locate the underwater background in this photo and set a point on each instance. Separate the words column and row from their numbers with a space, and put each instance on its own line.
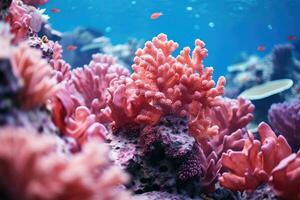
column 149, row 100
column 228, row 27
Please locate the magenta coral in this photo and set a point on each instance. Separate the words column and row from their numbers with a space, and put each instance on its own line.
column 285, row 180
column 35, row 74
column 285, row 119
column 253, row 165
column 162, row 84
column 32, row 169
column 35, row 2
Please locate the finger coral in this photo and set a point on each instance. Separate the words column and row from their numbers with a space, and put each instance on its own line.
column 285, row 119
column 32, row 169
column 285, row 180
column 38, row 84
column 166, row 85
column 253, row 165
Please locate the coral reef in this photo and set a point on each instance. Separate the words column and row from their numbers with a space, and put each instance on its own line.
column 68, row 133
column 281, row 63
column 285, row 119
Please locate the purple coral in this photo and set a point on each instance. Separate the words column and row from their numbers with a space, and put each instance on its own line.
column 285, row 119
column 283, row 61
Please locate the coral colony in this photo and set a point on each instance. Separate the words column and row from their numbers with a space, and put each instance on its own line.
column 163, row 131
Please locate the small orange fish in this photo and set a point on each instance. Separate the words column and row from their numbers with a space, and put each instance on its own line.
column 156, row 15
column 71, row 48
column 291, row 37
column 261, row 48
column 55, row 10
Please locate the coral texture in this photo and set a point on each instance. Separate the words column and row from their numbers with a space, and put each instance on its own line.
column 285, row 119
column 253, row 165
column 285, row 179
column 32, row 169
column 230, row 118
column 81, row 105
column 36, row 77
column 162, row 85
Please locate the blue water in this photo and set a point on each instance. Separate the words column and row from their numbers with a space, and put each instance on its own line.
column 239, row 25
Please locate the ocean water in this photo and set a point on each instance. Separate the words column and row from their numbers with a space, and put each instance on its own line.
column 228, row 27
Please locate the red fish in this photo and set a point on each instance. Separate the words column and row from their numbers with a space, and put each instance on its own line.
column 71, row 48
column 156, row 15
column 261, row 48
column 55, row 10
column 291, row 37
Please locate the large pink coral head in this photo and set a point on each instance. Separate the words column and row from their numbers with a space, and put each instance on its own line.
column 168, row 85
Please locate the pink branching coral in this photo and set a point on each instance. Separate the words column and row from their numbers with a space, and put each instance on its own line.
column 92, row 81
column 285, row 180
column 162, row 84
column 80, row 108
column 32, row 169
column 230, row 119
column 253, row 165
column 36, row 76
column 19, row 20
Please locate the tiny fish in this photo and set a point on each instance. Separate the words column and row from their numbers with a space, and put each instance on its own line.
column 156, row 15
column 261, row 48
column 291, row 37
column 55, row 10
column 71, row 48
